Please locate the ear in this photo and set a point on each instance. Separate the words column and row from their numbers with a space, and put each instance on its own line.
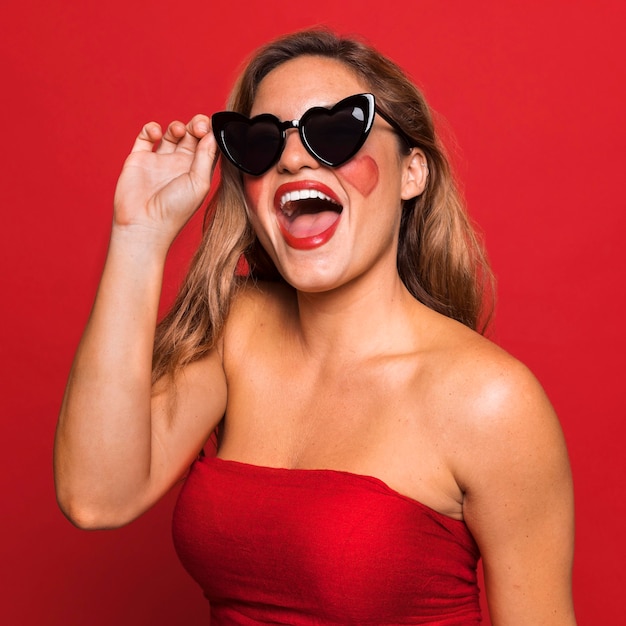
column 415, row 174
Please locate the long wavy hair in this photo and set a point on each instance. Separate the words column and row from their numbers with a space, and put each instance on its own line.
column 440, row 259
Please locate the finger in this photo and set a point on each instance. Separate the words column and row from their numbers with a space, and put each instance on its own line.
column 174, row 133
column 196, row 128
column 199, row 126
column 150, row 134
column 204, row 158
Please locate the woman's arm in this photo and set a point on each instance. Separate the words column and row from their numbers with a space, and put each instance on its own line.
column 121, row 445
column 518, row 501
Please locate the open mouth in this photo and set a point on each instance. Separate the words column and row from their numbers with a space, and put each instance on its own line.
column 308, row 213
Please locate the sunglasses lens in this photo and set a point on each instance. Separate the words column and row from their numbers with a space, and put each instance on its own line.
column 332, row 136
column 336, row 135
column 253, row 147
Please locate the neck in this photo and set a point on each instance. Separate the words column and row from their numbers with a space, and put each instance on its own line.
column 360, row 319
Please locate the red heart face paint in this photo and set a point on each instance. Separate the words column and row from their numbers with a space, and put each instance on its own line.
column 253, row 187
column 362, row 173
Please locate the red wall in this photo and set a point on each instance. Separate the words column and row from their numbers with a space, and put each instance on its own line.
column 534, row 94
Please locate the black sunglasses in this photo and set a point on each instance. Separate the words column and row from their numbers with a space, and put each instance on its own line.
column 333, row 136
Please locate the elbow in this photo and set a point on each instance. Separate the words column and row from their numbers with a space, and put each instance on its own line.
column 96, row 505
column 85, row 519
column 88, row 515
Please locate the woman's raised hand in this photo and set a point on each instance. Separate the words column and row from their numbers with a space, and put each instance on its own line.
column 160, row 189
column 108, row 397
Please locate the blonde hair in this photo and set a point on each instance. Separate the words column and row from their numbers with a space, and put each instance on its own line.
column 440, row 259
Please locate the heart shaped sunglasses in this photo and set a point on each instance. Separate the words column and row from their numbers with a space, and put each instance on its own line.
column 331, row 135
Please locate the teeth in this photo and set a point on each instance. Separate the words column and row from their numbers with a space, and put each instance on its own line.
column 302, row 194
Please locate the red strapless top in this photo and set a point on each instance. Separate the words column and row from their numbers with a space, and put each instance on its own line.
column 304, row 547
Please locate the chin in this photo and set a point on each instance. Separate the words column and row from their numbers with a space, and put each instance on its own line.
column 312, row 284
column 310, row 271
column 308, row 280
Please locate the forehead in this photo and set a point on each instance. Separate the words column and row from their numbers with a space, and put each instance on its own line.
column 301, row 83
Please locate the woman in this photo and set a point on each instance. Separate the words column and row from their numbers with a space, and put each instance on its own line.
column 371, row 444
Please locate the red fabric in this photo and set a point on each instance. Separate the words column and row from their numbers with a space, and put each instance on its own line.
column 304, row 547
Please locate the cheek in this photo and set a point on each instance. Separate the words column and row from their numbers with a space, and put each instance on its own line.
column 362, row 173
column 252, row 187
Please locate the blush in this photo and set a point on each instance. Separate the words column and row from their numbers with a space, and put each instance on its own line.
column 362, row 173
column 252, row 187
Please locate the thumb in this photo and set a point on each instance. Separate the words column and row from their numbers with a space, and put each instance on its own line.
column 203, row 158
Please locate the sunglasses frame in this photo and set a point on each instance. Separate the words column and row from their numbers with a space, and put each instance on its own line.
column 366, row 101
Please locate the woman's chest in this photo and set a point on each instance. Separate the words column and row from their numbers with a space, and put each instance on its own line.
column 380, row 419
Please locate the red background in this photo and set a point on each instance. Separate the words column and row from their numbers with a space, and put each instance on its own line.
column 533, row 95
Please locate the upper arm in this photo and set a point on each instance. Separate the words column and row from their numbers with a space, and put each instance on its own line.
column 518, row 501
column 185, row 411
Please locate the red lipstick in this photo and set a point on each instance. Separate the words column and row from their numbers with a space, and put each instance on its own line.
column 308, row 213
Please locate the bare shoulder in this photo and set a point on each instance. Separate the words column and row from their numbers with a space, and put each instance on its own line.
column 490, row 391
column 509, row 458
column 502, row 417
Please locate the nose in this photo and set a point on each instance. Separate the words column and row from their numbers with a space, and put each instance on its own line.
column 295, row 156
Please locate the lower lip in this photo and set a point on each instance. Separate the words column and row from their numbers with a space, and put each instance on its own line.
column 309, row 243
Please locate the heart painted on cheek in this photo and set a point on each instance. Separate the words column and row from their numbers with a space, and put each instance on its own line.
column 252, row 188
column 362, row 173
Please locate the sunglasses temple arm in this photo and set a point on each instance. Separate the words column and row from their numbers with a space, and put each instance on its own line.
column 409, row 142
